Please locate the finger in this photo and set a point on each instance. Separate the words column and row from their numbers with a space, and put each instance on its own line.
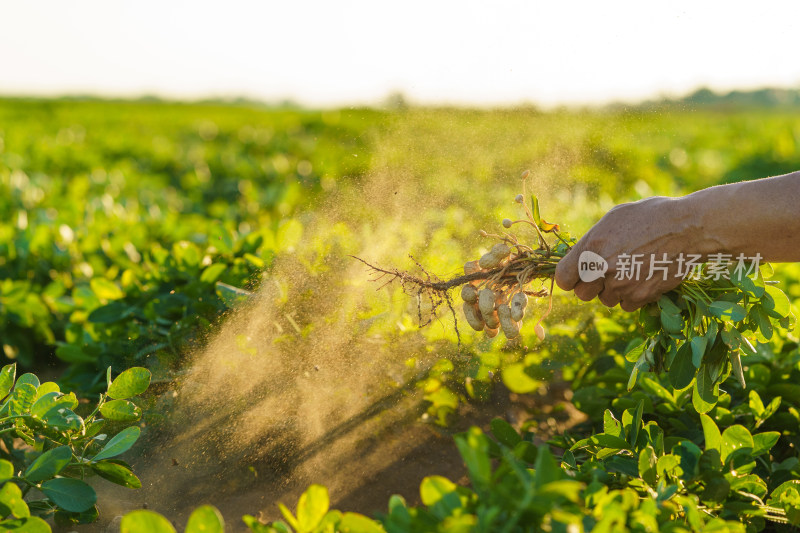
column 608, row 297
column 587, row 291
column 567, row 271
column 631, row 305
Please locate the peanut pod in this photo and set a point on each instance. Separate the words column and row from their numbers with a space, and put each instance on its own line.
column 473, row 315
column 496, row 256
column 486, row 301
column 469, row 294
column 470, row 267
column 518, row 304
column 491, row 319
column 510, row 326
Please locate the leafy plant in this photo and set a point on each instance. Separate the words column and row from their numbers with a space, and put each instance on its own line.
column 698, row 332
column 45, row 477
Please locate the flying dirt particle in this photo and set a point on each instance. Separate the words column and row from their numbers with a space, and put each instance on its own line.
column 174, row 462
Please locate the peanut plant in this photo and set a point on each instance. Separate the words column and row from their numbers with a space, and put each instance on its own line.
column 46, row 476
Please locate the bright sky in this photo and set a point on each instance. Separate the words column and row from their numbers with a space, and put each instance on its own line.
column 323, row 52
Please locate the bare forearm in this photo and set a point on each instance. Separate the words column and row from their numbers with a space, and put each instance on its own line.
column 753, row 217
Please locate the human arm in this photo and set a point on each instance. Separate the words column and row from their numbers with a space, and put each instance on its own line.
column 749, row 218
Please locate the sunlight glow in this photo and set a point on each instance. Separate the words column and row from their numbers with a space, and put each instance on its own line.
column 358, row 51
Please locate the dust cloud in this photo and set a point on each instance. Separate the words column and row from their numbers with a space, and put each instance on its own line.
column 308, row 382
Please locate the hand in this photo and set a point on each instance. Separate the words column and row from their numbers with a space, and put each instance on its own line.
column 651, row 227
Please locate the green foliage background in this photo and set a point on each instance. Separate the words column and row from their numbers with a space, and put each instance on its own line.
column 127, row 229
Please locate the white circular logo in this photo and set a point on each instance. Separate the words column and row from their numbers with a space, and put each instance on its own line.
column 591, row 266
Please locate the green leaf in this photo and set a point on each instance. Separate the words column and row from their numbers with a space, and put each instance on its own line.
column 747, row 346
column 731, row 337
column 45, row 402
column 6, row 470
column 612, row 426
column 121, row 411
column 434, row 488
column 698, row 345
column 312, row 506
column 212, row 272
column 524, row 451
column 763, row 442
column 711, row 332
column 110, row 313
column 761, row 320
column 777, row 304
column 749, row 483
column 67, row 519
column 52, row 400
column 668, row 306
column 623, row 464
column 546, row 468
column 736, row 367
column 682, row 371
column 94, row 427
column 640, row 364
column 28, row 378
column 116, row 472
column 636, row 423
column 7, row 375
column 12, row 502
column 671, row 323
column 71, row 494
column 774, row 498
column 131, row 382
column 63, row 418
column 689, row 457
column 106, row 289
column 647, row 465
column 636, row 352
column 73, row 354
column 22, row 398
column 771, row 409
column 736, row 440
column 358, row 523
column 49, row 464
column 119, row 444
column 711, row 433
column 727, row 311
column 287, row 514
column 704, row 393
column 504, row 433
column 206, row 519
column 717, row 488
column 46, row 388
column 649, row 318
column 740, row 279
column 537, row 219
column 144, row 521
column 755, row 403
column 609, row 441
column 30, row 524
column 516, row 379
column 474, row 449
column 666, row 464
